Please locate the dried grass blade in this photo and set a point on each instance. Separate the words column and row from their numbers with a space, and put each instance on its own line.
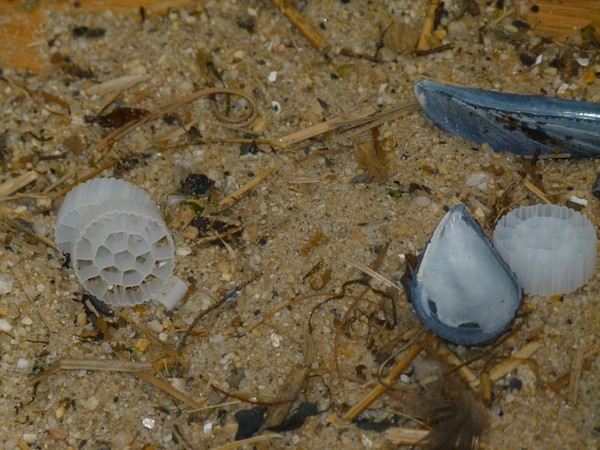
column 253, row 440
column 405, row 436
column 92, row 364
column 11, row 186
column 513, row 361
column 245, row 188
column 576, row 370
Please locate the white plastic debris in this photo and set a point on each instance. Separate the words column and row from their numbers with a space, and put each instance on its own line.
column 121, row 248
column 551, row 249
column 174, row 291
column 579, row 201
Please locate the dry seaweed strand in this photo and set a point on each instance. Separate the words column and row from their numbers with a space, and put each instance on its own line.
column 343, row 322
column 301, row 299
column 224, row 299
column 108, row 141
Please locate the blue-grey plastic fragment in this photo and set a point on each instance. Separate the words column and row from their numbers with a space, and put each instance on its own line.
column 513, row 123
column 462, row 289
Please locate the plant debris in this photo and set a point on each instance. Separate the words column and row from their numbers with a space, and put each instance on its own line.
column 117, row 117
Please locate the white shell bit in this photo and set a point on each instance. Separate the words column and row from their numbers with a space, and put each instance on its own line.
column 551, row 249
column 121, row 249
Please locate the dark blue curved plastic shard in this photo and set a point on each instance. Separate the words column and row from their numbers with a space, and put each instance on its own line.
column 513, row 123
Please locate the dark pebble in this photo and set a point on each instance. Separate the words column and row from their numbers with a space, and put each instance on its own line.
column 196, row 185
column 249, row 421
column 596, row 186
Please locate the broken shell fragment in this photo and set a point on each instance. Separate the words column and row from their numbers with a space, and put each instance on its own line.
column 551, row 249
column 462, row 289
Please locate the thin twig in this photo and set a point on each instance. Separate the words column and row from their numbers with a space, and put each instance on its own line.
column 311, row 34
column 380, row 389
column 513, row 361
column 232, row 198
column 92, row 364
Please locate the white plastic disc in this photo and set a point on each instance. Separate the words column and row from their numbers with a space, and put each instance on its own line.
column 121, row 248
column 551, row 249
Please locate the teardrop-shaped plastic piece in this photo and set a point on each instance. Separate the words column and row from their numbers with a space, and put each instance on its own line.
column 462, row 289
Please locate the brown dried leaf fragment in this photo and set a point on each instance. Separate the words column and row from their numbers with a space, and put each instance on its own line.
column 117, row 117
column 369, row 159
column 401, row 37
column 317, row 239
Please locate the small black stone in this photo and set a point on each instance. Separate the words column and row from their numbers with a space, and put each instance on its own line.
column 88, row 32
column 80, row 31
column 249, row 421
column 527, row 59
column 521, row 25
column 196, row 185
column 246, row 23
column 249, row 147
column 514, row 385
column 296, row 420
column 596, row 186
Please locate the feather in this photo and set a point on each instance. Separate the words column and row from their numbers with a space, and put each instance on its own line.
column 513, row 123
column 457, row 418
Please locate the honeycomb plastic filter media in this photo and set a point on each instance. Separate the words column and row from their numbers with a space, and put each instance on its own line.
column 551, row 249
column 121, row 249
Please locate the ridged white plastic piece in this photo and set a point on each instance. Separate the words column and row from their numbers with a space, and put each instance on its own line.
column 551, row 249
column 121, row 249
